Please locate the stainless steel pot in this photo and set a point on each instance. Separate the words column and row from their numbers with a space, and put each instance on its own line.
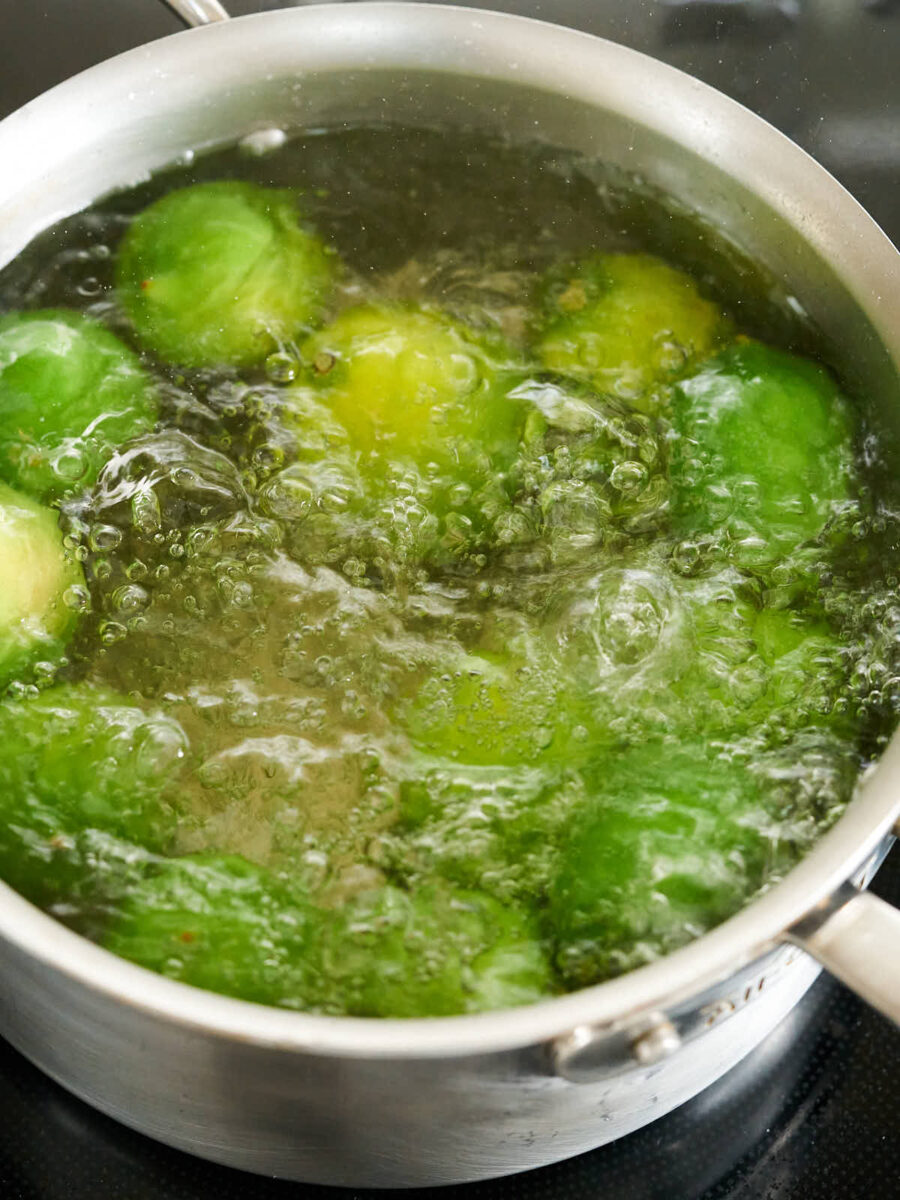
column 394, row 1103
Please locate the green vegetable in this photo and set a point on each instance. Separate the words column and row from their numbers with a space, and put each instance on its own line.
column 425, row 407
column 491, row 828
column 222, row 923
column 431, row 953
column 764, row 457
column 413, row 384
column 76, row 760
column 42, row 586
column 221, row 273
column 589, row 470
column 486, row 710
column 627, row 323
column 648, row 650
column 70, row 394
column 669, row 844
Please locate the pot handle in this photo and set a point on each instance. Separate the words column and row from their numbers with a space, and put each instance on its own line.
column 856, row 937
column 198, row 12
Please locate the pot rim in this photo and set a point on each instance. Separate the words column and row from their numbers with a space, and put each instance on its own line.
column 682, row 109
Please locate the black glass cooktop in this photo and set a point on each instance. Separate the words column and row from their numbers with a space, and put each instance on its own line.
column 815, row 1113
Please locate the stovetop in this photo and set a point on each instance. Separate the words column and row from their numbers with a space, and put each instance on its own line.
column 814, row 1114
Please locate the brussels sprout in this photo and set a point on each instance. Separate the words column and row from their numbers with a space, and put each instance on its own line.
column 765, row 455
column 432, row 953
column 221, row 273
column 628, row 323
column 491, row 828
column 70, row 393
column 414, row 384
column 646, row 650
column 668, row 846
column 222, row 923
column 425, row 406
column 42, row 586
column 483, row 709
column 77, row 761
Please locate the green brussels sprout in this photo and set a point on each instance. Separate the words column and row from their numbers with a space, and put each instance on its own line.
column 649, row 650
column 490, row 828
column 432, row 953
column 70, row 394
column 669, row 845
column 42, row 586
column 221, row 273
column 628, row 323
column 484, row 709
column 81, row 760
column 221, row 923
column 764, row 454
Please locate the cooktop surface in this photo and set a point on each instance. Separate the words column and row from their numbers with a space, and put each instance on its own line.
column 814, row 1114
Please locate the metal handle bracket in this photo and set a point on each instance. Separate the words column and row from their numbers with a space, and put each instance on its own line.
column 197, row 12
column 857, row 939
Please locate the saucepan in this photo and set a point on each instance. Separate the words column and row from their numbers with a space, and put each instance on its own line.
column 364, row 1102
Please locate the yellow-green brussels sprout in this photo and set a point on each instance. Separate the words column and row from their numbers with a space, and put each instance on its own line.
column 628, row 323
column 413, row 384
column 221, row 273
column 70, row 394
column 43, row 587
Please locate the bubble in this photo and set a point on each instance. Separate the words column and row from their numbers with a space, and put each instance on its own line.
column 145, row 510
column 90, row 286
column 290, row 496
column 281, row 368
column 130, row 599
column 459, row 494
column 111, row 632
column 71, row 463
column 628, row 477
column 687, row 557
column 105, row 537
column 160, row 744
column 77, row 598
column 45, row 672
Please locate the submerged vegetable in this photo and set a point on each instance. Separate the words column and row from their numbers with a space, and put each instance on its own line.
column 424, row 406
column 42, row 585
column 70, row 394
column 78, row 759
column 221, row 273
column 411, row 383
column 222, row 923
column 765, row 455
column 628, row 323
column 668, row 845
column 431, row 953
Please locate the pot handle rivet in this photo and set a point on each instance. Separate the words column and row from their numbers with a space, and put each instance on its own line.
column 656, row 1042
column 590, row 1053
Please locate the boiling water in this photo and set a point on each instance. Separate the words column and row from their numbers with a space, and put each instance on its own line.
column 309, row 651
